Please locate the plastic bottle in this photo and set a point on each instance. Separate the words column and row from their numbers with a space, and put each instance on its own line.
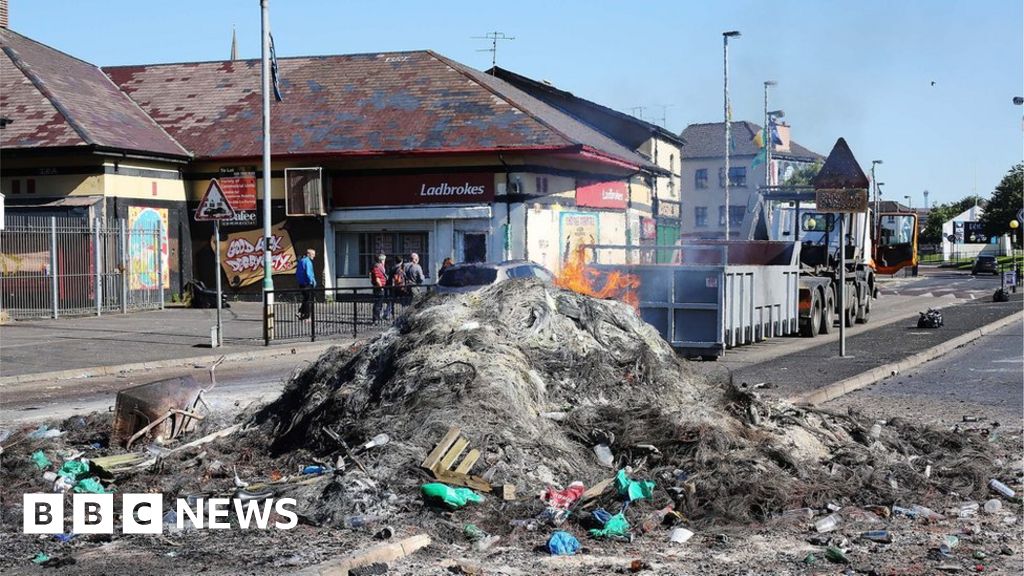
column 992, row 506
column 378, row 440
column 882, row 536
column 997, row 486
column 968, row 509
column 360, row 520
column 604, row 455
column 828, row 523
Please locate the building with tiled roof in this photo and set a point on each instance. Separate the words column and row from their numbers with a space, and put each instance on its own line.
column 73, row 145
column 392, row 134
column 703, row 173
column 659, row 145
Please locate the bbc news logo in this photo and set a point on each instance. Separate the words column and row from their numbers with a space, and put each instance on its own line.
column 144, row 514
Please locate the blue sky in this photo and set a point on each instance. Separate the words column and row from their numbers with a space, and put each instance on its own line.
column 857, row 69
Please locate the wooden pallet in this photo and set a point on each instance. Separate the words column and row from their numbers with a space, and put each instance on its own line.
column 444, row 456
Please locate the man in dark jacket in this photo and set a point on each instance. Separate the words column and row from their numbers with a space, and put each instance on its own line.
column 306, row 278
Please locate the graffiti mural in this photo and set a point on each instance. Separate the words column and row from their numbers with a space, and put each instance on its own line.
column 143, row 244
column 241, row 255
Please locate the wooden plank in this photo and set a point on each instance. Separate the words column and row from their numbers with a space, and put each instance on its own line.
column 453, row 454
column 474, row 482
column 386, row 553
column 442, row 447
column 468, row 461
column 596, row 490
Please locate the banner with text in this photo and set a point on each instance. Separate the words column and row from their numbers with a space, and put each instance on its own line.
column 405, row 189
column 612, row 194
column 241, row 255
column 239, row 188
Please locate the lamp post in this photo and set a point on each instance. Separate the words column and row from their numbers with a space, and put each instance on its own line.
column 878, row 200
column 728, row 120
column 767, row 136
column 910, row 204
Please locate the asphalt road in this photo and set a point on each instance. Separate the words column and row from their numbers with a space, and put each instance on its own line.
column 237, row 386
column 982, row 380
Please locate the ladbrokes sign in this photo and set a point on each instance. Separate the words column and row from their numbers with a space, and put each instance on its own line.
column 403, row 190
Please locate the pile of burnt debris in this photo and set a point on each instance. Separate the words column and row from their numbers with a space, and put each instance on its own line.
column 524, row 415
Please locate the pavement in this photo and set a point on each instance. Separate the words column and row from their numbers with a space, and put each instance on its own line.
column 96, row 345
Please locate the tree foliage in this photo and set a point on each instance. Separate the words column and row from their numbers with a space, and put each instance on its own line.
column 1007, row 199
column 802, row 177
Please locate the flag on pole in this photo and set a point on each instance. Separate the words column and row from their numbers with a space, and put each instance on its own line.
column 274, row 74
column 776, row 139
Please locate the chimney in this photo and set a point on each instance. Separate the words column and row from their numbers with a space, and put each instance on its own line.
column 3, row 14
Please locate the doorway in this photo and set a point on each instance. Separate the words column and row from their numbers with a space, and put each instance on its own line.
column 474, row 246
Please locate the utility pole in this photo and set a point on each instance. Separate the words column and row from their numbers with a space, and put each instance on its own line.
column 493, row 37
column 268, row 270
column 728, row 120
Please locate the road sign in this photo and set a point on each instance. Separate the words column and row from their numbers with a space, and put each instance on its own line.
column 214, row 206
column 841, row 200
column 1009, row 278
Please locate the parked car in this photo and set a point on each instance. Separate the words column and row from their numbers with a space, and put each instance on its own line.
column 477, row 275
column 985, row 264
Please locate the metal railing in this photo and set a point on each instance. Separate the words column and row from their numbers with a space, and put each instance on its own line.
column 51, row 267
column 333, row 312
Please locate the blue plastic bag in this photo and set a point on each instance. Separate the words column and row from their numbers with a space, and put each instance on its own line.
column 563, row 544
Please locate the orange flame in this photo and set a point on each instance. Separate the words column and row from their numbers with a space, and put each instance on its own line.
column 579, row 277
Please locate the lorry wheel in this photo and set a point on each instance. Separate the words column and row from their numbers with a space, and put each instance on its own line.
column 864, row 312
column 850, row 317
column 809, row 326
column 828, row 313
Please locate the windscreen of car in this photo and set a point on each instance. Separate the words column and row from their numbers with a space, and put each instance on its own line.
column 469, row 276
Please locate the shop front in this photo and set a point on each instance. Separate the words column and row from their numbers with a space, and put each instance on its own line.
column 435, row 215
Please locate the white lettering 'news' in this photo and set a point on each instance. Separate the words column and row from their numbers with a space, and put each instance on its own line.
column 445, row 189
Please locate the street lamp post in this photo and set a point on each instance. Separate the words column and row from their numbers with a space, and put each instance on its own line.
column 767, row 136
column 910, row 205
column 728, row 120
column 878, row 219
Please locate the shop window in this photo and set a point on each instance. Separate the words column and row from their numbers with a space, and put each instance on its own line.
column 700, row 178
column 356, row 252
column 30, row 186
column 303, row 192
column 474, row 247
column 15, row 186
column 700, row 216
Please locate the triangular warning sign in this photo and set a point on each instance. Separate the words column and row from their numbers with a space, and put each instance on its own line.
column 214, row 205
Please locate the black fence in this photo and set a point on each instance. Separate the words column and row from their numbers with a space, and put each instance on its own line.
column 333, row 312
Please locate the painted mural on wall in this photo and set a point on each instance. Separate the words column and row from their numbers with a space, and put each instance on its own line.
column 241, row 255
column 143, row 222
column 576, row 229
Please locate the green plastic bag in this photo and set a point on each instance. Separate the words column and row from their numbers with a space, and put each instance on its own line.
column 633, row 489
column 40, row 558
column 90, row 485
column 74, row 470
column 451, row 497
column 615, row 526
column 41, row 460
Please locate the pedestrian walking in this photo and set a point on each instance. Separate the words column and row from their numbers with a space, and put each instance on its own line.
column 306, row 278
column 396, row 287
column 379, row 281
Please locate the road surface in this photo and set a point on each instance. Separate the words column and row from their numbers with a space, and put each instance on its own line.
column 981, row 380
